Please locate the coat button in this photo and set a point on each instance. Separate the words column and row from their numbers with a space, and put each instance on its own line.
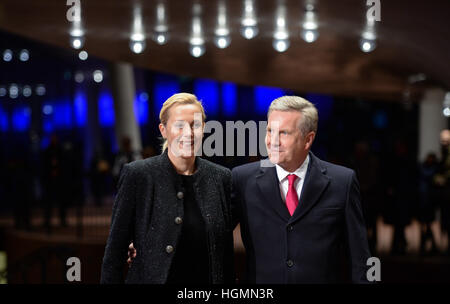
column 290, row 227
column 180, row 195
column 169, row 249
column 290, row 263
column 178, row 220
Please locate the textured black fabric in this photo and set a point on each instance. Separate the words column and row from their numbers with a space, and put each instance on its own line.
column 144, row 212
column 191, row 262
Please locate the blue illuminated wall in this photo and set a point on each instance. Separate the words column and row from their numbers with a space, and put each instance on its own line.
column 141, row 107
column 106, row 109
column 323, row 103
column 380, row 119
column 57, row 115
column 229, row 99
column 21, row 118
column 164, row 87
column 4, row 121
column 264, row 96
column 208, row 92
column 80, row 108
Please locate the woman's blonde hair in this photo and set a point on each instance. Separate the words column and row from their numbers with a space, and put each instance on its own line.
column 178, row 99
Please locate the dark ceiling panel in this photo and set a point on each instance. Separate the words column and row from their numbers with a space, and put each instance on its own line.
column 412, row 38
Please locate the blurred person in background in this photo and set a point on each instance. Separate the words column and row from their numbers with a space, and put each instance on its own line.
column 124, row 156
column 19, row 183
column 72, row 174
column 426, row 210
column 442, row 182
column 402, row 187
column 100, row 178
column 367, row 167
column 53, row 181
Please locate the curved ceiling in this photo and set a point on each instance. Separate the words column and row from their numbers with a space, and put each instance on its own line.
column 412, row 38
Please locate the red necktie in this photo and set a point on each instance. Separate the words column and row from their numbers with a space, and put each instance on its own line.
column 291, row 197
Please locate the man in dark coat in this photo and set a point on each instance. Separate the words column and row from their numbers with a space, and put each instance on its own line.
column 299, row 215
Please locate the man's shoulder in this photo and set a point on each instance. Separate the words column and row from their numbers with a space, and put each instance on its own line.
column 250, row 168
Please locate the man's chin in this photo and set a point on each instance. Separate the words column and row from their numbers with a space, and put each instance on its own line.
column 275, row 159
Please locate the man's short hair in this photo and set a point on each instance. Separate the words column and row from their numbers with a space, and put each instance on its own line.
column 310, row 116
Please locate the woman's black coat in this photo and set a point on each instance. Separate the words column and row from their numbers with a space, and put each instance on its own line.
column 147, row 211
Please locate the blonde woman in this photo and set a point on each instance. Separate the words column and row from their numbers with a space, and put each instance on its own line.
column 174, row 208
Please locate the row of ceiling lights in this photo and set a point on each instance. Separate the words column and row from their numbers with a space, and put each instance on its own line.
column 14, row 90
column 249, row 29
column 24, row 55
column 8, row 55
column 97, row 76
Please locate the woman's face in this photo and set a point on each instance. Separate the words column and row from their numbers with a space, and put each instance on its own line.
column 183, row 130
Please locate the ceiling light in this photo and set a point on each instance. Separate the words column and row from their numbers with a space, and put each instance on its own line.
column 83, row 55
column 249, row 24
column 7, row 55
column 24, row 55
column 98, row 76
column 26, row 91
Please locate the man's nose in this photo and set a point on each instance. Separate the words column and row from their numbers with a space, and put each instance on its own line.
column 274, row 140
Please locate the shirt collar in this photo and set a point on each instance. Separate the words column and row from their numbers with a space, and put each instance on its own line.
column 300, row 171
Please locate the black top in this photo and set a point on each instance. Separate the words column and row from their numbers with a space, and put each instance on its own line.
column 191, row 261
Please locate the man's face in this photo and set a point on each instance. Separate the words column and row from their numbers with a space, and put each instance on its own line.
column 183, row 130
column 285, row 143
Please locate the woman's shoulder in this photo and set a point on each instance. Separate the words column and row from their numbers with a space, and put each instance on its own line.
column 215, row 169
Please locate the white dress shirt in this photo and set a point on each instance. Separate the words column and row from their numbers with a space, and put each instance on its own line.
column 284, row 182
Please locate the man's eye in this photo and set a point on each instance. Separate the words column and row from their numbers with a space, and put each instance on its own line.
column 197, row 125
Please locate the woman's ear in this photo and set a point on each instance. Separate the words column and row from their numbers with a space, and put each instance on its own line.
column 162, row 129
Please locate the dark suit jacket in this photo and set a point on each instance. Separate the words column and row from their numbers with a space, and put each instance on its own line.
column 306, row 247
column 144, row 212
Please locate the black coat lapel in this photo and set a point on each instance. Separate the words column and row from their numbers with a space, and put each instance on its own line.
column 168, row 175
column 268, row 184
column 315, row 183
